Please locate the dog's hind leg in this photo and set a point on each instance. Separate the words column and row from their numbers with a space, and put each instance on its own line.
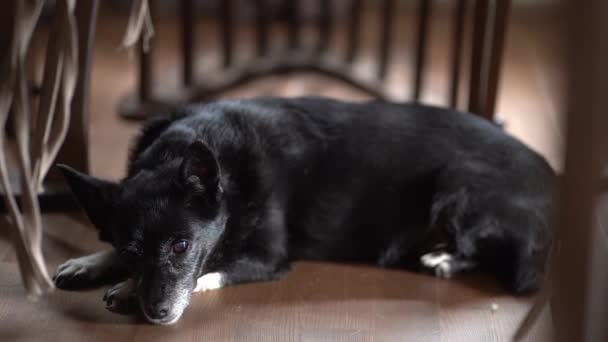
column 511, row 244
column 89, row 271
column 528, row 269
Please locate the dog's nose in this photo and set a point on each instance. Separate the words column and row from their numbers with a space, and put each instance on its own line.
column 157, row 311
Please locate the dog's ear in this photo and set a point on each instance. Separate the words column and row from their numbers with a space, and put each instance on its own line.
column 94, row 195
column 200, row 170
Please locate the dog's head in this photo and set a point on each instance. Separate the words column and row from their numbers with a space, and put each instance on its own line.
column 163, row 223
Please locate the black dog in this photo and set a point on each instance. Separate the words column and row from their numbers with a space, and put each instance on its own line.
column 234, row 191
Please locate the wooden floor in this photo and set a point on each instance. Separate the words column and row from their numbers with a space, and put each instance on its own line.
column 315, row 302
column 323, row 302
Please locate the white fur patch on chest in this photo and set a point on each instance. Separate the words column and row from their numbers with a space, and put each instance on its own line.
column 210, row 281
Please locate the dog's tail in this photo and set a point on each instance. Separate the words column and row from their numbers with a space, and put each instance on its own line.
column 528, row 272
column 528, row 254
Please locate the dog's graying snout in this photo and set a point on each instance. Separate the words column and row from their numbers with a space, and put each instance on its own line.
column 162, row 312
column 157, row 310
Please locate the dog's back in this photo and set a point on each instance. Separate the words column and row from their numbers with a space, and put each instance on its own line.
column 371, row 182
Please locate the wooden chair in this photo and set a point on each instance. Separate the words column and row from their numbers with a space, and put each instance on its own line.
column 489, row 22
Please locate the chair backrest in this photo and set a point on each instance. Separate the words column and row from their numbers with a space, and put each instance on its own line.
column 487, row 23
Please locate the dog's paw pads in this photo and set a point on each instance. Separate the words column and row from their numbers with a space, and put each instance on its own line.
column 210, row 281
column 440, row 262
column 121, row 298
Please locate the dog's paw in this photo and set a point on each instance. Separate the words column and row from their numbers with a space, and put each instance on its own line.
column 121, row 298
column 439, row 262
column 74, row 274
column 210, row 281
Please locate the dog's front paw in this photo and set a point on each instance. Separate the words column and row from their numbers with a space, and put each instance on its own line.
column 76, row 274
column 121, row 298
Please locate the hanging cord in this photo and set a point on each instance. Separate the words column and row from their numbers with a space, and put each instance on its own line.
column 57, row 120
column 37, row 147
column 35, row 155
column 140, row 26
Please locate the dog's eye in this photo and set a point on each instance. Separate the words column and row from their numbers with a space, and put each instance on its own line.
column 179, row 246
